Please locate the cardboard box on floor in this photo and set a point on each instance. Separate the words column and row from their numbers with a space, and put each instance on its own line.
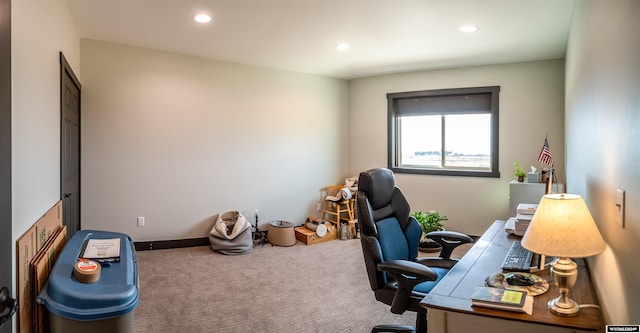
column 309, row 237
column 27, row 246
column 41, row 266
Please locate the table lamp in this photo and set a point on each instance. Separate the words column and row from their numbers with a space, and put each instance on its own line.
column 563, row 227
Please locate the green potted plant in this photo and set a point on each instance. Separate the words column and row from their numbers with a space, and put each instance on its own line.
column 429, row 221
column 519, row 172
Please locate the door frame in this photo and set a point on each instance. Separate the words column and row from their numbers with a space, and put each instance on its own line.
column 6, row 217
column 65, row 69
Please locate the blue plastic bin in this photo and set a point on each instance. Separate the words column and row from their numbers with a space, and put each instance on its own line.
column 104, row 306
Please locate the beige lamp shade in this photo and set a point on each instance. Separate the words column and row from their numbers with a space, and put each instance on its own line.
column 563, row 227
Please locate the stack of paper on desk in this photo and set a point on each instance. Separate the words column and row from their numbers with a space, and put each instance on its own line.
column 523, row 218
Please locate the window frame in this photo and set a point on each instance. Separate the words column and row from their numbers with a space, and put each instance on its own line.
column 393, row 123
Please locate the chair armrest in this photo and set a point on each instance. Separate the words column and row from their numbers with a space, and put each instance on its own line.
column 437, row 262
column 412, row 271
column 449, row 240
column 407, row 274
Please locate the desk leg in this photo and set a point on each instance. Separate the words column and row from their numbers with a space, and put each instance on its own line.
column 436, row 320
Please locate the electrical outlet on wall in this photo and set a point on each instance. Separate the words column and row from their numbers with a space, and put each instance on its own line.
column 318, row 206
column 140, row 221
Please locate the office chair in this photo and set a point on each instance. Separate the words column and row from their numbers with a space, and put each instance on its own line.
column 390, row 239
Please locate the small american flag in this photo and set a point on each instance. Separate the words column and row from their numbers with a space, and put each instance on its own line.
column 545, row 154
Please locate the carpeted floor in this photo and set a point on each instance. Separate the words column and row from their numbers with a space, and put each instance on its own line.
column 317, row 288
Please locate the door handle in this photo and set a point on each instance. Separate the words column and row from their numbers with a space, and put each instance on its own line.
column 6, row 302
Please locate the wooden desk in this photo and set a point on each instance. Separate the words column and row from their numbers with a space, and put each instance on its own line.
column 449, row 305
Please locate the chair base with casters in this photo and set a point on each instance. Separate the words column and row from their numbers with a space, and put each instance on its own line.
column 393, row 329
column 390, row 239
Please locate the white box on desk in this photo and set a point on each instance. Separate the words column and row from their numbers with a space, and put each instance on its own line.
column 520, row 192
column 521, row 227
column 527, row 208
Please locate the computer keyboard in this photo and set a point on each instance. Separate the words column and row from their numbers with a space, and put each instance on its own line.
column 518, row 258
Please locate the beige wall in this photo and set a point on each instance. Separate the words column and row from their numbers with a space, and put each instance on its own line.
column 531, row 105
column 178, row 139
column 39, row 31
column 603, row 136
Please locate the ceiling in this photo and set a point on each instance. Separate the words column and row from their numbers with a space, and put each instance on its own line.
column 386, row 36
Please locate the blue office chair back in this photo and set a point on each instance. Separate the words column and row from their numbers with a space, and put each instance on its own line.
column 390, row 239
column 386, row 228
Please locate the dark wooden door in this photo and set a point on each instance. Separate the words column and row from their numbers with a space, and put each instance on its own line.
column 6, row 234
column 69, row 147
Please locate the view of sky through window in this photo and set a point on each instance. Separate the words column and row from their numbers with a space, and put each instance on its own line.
column 467, row 140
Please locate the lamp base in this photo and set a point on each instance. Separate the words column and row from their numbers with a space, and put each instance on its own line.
column 566, row 308
column 565, row 274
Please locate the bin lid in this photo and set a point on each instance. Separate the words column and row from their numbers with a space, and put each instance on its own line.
column 281, row 224
column 113, row 295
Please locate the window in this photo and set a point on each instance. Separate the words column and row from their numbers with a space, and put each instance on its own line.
column 451, row 132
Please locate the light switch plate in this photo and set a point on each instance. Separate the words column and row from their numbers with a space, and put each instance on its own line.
column 620, row 207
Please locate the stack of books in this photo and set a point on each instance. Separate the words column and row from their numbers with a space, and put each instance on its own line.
column 523, row 218
column 502, row 299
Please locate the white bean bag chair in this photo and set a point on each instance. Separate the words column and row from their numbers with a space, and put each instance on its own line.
column 231, row 234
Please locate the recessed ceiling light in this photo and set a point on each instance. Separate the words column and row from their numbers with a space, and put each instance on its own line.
column 468, row 28
column 342, row 47
column 202, row 18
